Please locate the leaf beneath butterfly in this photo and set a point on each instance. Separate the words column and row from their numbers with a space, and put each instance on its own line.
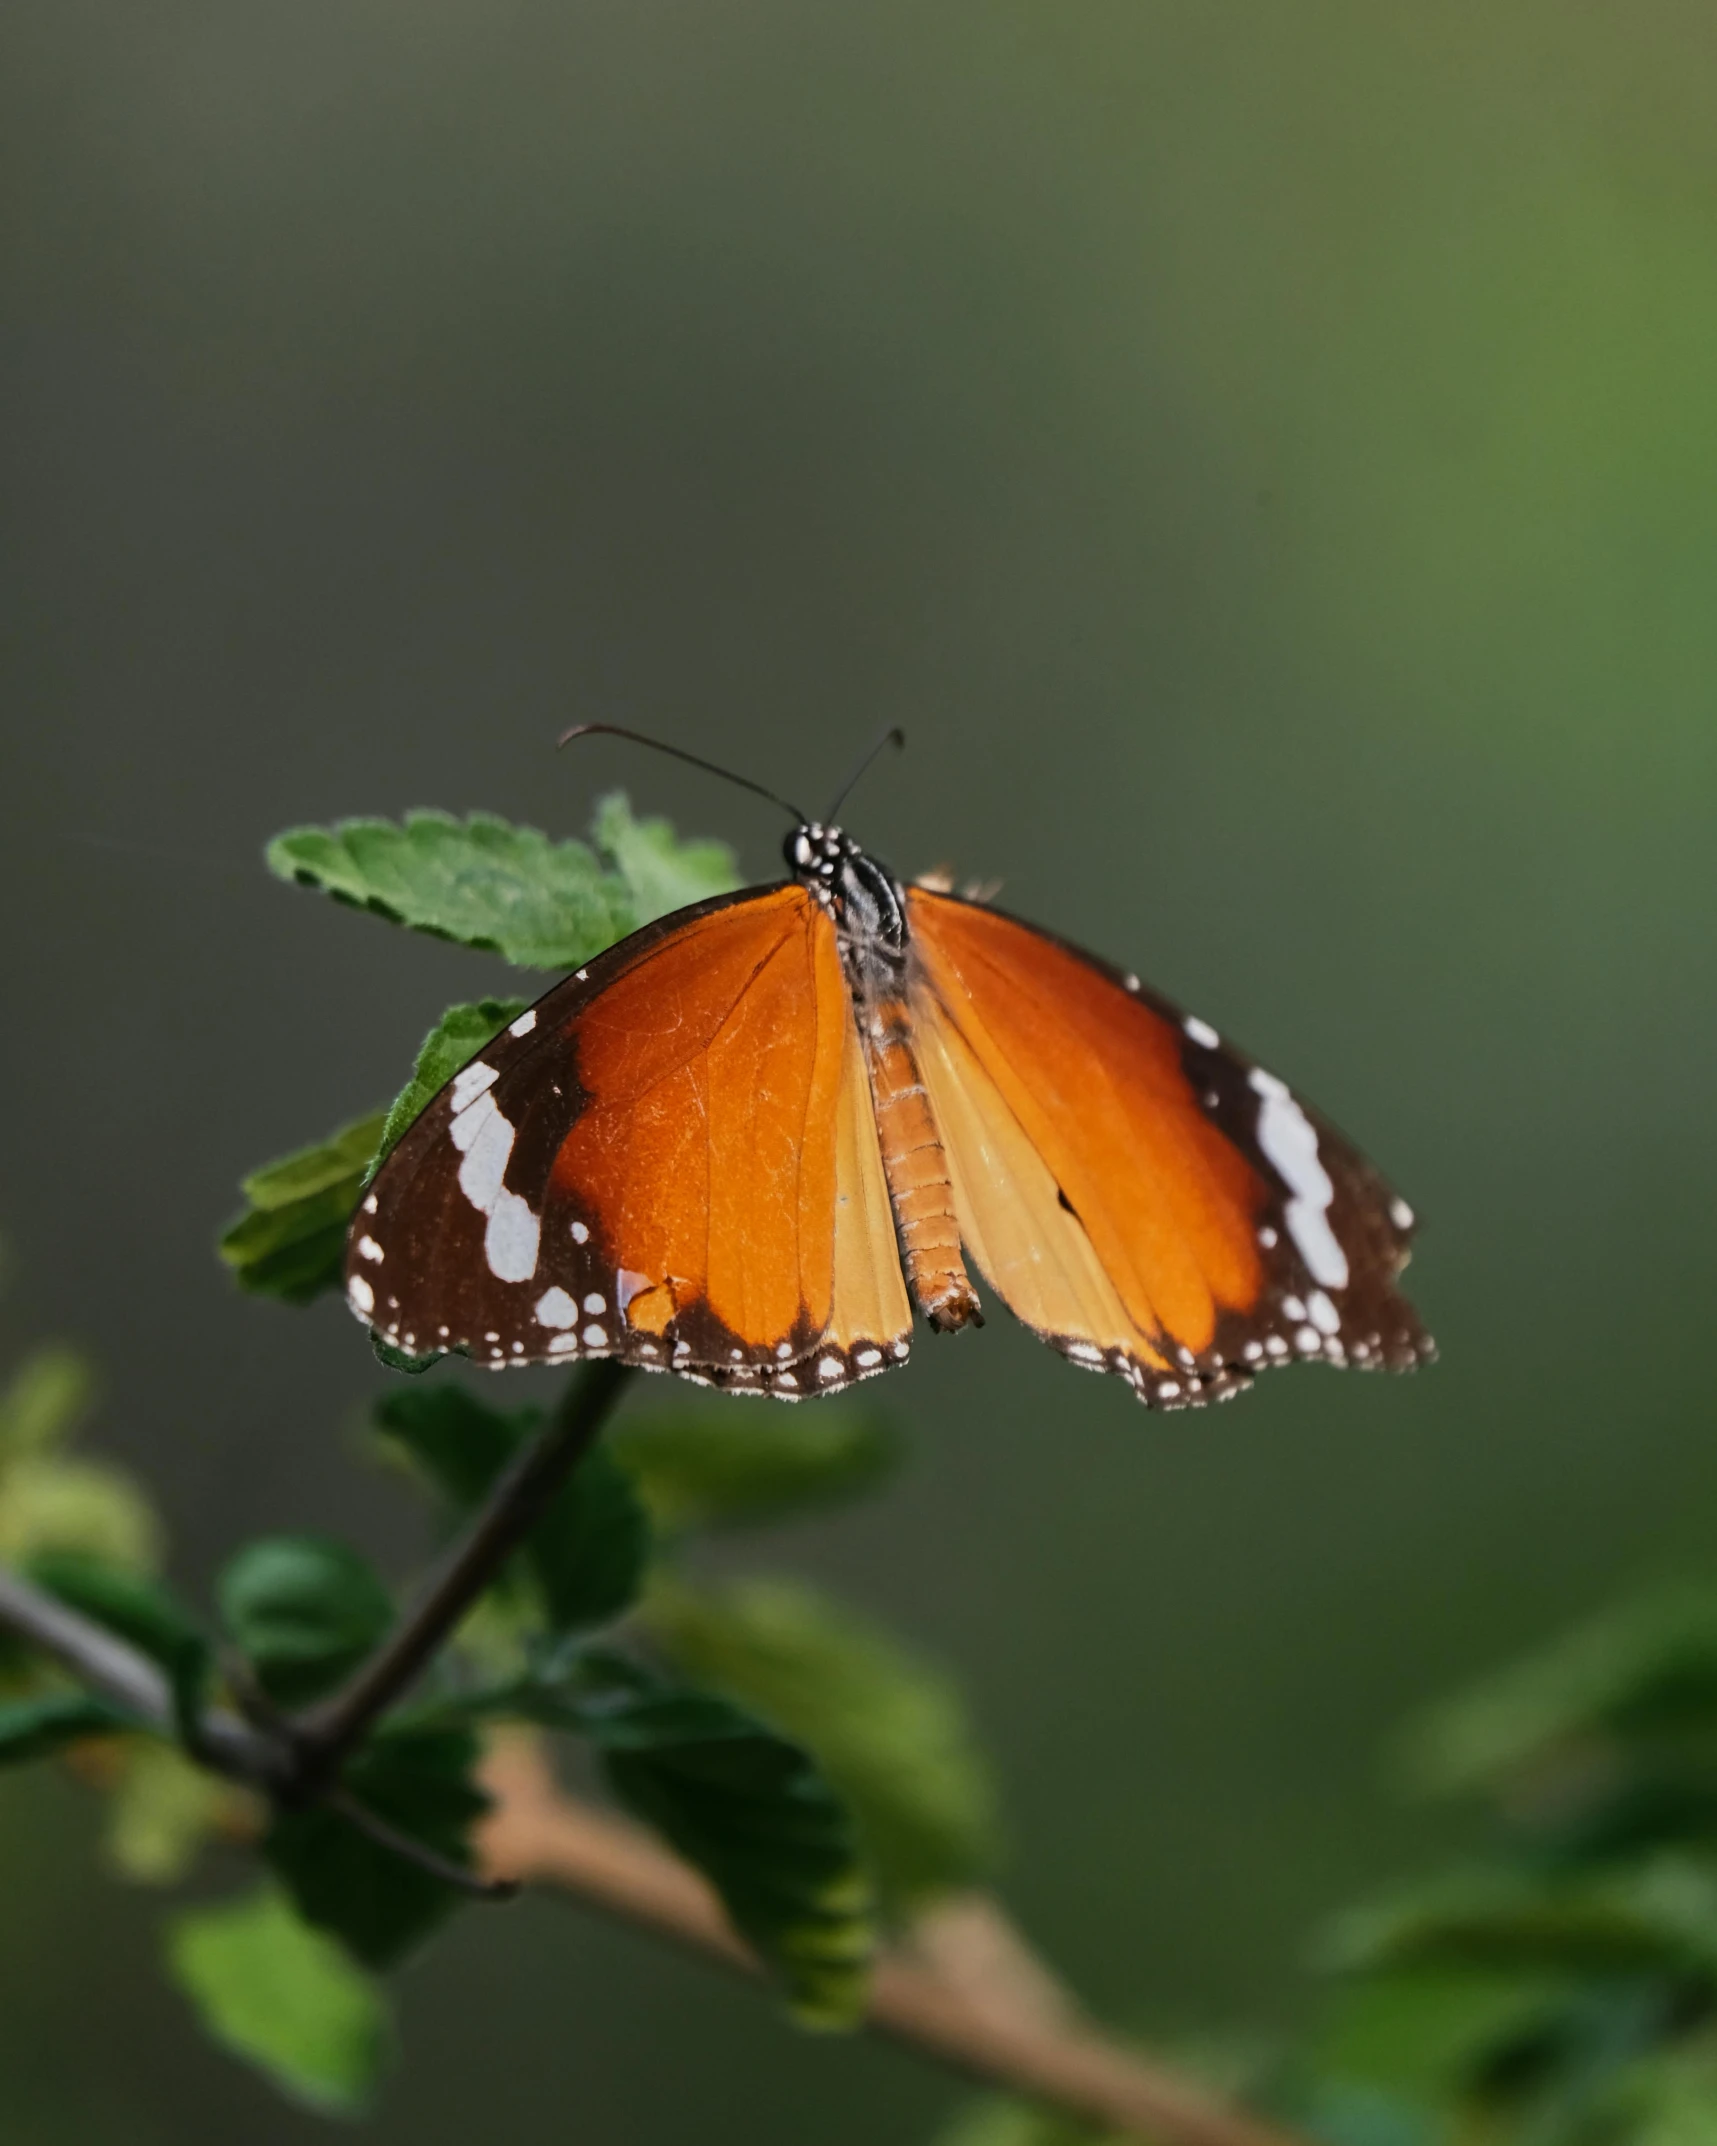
column 284, row 1998
column 887, row 1728
column 290, row 1241
column 480, row 881
column 453, row 1042
column 486, row 883
column 660, row 873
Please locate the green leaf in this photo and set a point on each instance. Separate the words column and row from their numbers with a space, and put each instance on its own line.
column 479, row 881
column 283, row 1998
column 290, row 1241
column 454, row 1041
column 887, row 1728
column 741, row 1804
column 161, row 1811
column 715, row 1468
column 1647, row 1670
column 659, row 872
column 86, row 1508
column 305, row 1611
column 1431, row 2032
column 1660, row 1917
column 31, row 1728
column 140, row 1610
column 43, row 1402
column 418, row 1779
column 586, row 1555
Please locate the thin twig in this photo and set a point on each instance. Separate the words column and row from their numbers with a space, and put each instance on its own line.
column 1005, row 2037
column 118, row 1671
column 513, row 1507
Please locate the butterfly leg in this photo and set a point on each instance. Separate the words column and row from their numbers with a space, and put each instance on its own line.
column 917, row 1170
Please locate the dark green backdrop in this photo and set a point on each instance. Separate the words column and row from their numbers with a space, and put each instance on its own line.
column 1266, row 458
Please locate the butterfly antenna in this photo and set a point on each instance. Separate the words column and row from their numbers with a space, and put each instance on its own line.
column 894, row 735
column 676, row 752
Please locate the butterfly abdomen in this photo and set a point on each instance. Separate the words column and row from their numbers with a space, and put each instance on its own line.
column 916, row 1167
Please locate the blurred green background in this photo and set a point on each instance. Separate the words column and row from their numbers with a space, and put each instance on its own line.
column 1267, row 458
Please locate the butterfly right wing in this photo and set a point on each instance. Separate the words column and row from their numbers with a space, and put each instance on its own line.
column 657, row 1162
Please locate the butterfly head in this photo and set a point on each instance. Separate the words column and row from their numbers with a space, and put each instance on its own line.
column 860, row 892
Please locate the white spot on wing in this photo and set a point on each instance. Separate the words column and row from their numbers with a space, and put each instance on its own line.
column 556, row 1308
column 1201, row 1032
column 369, row 1249
column 580, row 1235
column 1324, row 1315
column 486, row 1155
column 524, row 1024
column 361, row 1295
column 867, row 1357
column 596, row 1303
column 370, row 1204
column 469, row 1085
column 595, row 1338
column 561, row 1343
column 1290, row 1141
column 510, row 1241
column 1400, row 1214
column 830, row 1367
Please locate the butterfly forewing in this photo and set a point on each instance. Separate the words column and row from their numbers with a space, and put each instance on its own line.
column 652, row 1163
column 1141, row 1195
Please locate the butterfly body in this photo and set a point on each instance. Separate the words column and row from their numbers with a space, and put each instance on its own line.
column 746, row 1142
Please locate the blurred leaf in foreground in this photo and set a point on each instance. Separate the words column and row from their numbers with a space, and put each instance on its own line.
column 284, row 1998
column 889, row 1730
column 305, row 1612
column 698, row 1468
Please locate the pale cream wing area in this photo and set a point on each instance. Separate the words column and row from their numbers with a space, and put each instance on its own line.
column 1032, row 1249
column 870, row 1303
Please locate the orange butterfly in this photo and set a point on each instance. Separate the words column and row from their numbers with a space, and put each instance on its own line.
column 744, row 1144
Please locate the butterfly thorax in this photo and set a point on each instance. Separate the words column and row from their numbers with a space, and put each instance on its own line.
column 868, row 907
column 862, row 896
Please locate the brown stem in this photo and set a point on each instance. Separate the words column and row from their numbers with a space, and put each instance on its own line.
column 513, row 1507
column 1008, row 2032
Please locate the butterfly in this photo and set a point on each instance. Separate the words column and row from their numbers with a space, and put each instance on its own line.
column 748, row 1142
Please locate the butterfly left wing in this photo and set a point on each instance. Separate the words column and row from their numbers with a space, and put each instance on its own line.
column 670, row 1159
column 1145, row 1198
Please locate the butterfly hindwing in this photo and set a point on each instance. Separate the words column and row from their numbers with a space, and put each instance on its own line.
column 656, row 1162
column 1140, row 1194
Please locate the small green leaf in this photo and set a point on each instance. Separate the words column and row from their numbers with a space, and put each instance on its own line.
column 1429, row 2033
column 700, row 1469
column 479, row 881
column 162, row 1810
column 1659, row 1917
column 305, row 1611
column 742, row 1805
column 86, row 1508
column 1646, row 1670
column 31, row 1728
column 888, row 1730
column 453, row 1042
column 586, row 1555
column 290, row 1241
column 418, row 1779
column 42, row 1403
column 283, row 1998
column 140, row 1610
column 660, row 873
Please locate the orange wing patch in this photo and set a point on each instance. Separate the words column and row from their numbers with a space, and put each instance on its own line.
column 669, row 1159
column 1143, row 1196
column 1094, row 1081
